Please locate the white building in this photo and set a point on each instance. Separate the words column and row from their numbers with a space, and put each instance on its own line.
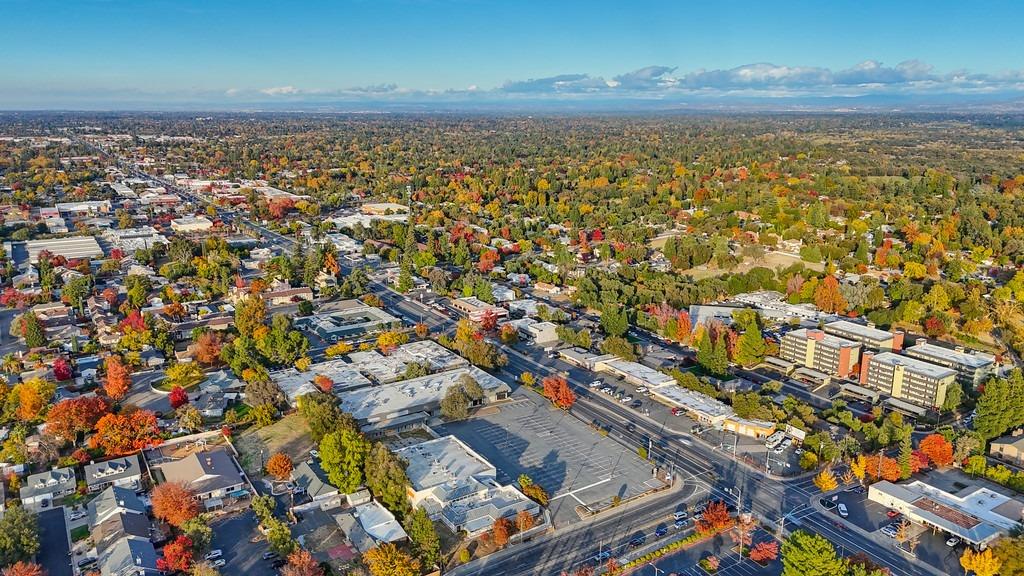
column 187, row 224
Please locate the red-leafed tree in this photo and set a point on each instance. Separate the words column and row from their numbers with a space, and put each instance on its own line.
column 557, row 390
column 501, row 530
column 68, row 418
column 489, row 320
column 178, row 397
column 714, row 518
column 208, row 347
column 938, row 450
column 177, row 555
column 110, row 296
column 125, row 432
column 22, row 568
column 62, row 369
column 118, row 380
column 302, row 563
column 488, row 260
column 323, row 383
column 134, row 321
column 764, row 552
column 174, row 503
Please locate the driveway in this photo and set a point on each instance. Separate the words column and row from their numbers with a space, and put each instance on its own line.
column 142, row 394
column 54, row 543
column 244, row 558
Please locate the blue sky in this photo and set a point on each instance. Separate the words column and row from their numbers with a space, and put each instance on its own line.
column 101, row 53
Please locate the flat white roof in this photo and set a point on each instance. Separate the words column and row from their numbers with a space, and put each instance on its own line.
column 445, row 460
column 913, row 364
column 826, row 338
column 693, row 401
column 859, row 329
column 649, row 376
column 400, row 398
column 971, row 360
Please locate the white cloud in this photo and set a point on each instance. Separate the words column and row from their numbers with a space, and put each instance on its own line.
column 281, row 91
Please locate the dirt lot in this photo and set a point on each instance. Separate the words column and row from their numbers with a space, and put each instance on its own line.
column 773, row 260
column 289, row 435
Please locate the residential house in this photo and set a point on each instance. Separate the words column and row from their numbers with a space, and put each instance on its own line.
column 44, row 488
column 311, row 479
column 211, row 475
column 114, row 514
column 1009, row 448
column 130, row 556
column 124, row 472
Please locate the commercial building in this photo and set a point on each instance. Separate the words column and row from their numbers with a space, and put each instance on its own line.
column 869, row 336
column 459, row 487
column 408, row 403
column 906, row 378
column 84, row 208
column 976, row 515
column 131, row 239
column 295, row 383
column 191, row 224
column 635, row 373
column 353, row 320
column 72, row 248
column 816, row 350
column 972, row 368
column 476, row 309
column 702, row 408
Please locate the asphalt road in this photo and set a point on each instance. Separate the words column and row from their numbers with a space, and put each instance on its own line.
column 54, row 543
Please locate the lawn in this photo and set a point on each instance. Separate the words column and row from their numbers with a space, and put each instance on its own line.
column 289, row 435
column 80, row 533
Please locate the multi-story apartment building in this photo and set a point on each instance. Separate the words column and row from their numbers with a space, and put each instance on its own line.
column 972, row 368
column 906, row 378
column 819, row 351
column 870, row 337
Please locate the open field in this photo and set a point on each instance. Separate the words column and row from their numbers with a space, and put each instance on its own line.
column 289, row 435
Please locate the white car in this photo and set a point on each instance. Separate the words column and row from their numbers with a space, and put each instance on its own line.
column 214, row 554
column 218, row 563
column 641, row 389
column 626, row 399
column 888, row 531
column 77, row 515
column 596, row 383
column 952, row 542
column 843, row 511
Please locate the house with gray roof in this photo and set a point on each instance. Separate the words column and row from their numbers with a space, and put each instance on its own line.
column 125, row 471
column 130, row 556
column 48, row 486
column 310, row 478
column 369, row 525
column 211, row 475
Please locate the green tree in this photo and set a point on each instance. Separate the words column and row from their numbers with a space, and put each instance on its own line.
column 719, row 365
column 906, row 453
column 620, row 347
column 386, row 479
column 342, row 454
column 614, row 320
column 280, row 537
column 250, row 313
column 76, row 291
column 750, row 348
column 322, row 414
column 198, row 531
column 455, row 404
column 424, row 537
column 19, row 536
column 954, row 397
column 32, row 330
column 805, row 554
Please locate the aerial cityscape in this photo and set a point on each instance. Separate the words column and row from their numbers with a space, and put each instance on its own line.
column 564, row 289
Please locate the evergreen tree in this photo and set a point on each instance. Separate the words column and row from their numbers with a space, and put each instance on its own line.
column 906, row 453
column 992, row 416
column 750, row 348
column 705, row 350
column 424, row 537
column 33, row 331
column 719, row 358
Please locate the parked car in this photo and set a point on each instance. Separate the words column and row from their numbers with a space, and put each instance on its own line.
column 828, row 504
column 892, row 513
column 680, row 515
column 218, row 563
column 843, row 511
column 596, row 383
column 676, row 411
column 214, row 554
column 952, row 542
column 626, row 399
column 661, row 531
column 86, row 561
column 889, row 530
column 269, row 555
column 78, row 514
column 638, row 541
column 680, row 523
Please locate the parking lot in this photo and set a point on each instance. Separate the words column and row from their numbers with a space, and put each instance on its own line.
column 242, row 557
column 781, row 461
column 576, row 465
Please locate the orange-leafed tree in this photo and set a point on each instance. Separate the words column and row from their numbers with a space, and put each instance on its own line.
column 714, row 519
column 174, row 503
column 501, row 531
column 302, row 563
column 279, row 465
column 177, row 555
column 22, row 568
column 882, row 467
column 118, row 381
column 524, row 521
column 208, row 347
column 827, row 296
column 938, row 450
column 323, row 383
column 422, row 330
column 69, row 418
column 125, row 432
column 557, row 390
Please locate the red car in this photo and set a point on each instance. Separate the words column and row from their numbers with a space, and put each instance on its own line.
column 892, row 513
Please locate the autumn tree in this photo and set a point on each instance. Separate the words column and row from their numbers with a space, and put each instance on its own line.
column 827, row 296
column 250, row 314
column 501, row 531
column 177, row 556
column 826, row 480
column 126, row 432
column 388, row 560
column 764, row 552
column 714, row 518
column 279, row 465
column 22, row 568
column 178, row 397
column 556, row 389
column 73, row 416
column 302, row 563
column 174, row 503
column 32, row 396
column 743, row 532
column 208, row 347
column 938, row 450
column 524, row 521
column 117, row 381
column 338, row 349
column 533, row 490
column 62, row 369
column 983, row 563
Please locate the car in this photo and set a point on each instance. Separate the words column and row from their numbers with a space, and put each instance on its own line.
column 596, row 383
column 952, row 542
column 603, row 555
column 888, row 531
column 638, row 541
column 676, row 411
column 314, row 453
column 607, row 389
column 631, row 427
column 680, row 523
column 77, row 515
column 641, row 389
column 680, row 515
column 218, row 563
column 269, row 555
column 892, row 513
column 86, row 561
column 626, row 399
column 661, row 531
column 214, row 554
column 843, row 511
